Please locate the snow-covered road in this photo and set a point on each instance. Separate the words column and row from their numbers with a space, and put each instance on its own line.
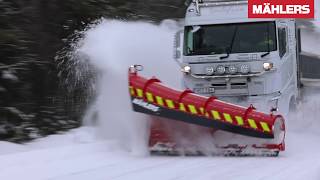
column 78, row 156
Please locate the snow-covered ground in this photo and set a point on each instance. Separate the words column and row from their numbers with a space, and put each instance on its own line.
column 79, row 155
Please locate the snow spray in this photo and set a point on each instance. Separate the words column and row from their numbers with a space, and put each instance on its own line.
column 112, row 46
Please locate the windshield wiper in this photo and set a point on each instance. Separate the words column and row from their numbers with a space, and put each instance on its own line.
column 229, row 50
column 226, row 56
column 265, row 54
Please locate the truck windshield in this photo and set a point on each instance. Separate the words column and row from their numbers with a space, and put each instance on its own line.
column 230, row 38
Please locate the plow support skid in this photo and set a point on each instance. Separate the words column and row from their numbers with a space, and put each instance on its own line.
column 150, row 96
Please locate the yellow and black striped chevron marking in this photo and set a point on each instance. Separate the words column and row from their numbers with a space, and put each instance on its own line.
column 224, row 117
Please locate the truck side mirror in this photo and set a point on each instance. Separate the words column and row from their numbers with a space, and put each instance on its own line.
column 178, row 46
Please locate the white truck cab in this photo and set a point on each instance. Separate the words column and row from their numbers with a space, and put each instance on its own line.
column 245, row 61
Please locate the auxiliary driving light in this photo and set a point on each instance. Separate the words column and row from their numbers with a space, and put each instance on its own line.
column 209, row 70
column 186, row 69
column 244, row 69
column 232, row 69
column 220, row 69
column 267, row 66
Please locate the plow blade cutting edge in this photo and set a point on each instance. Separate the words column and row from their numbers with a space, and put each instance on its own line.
column 150, row 96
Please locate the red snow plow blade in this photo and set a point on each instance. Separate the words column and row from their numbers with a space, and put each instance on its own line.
column 150, row 96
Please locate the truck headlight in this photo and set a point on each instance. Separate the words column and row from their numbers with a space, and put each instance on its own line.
column 209, row 70
column 267, row 66
column 220, row 69
column 186, row 69
column 244, row 68
column 232, row 69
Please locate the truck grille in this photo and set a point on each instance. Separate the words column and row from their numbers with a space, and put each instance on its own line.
column 239, row 86
column 219, row 85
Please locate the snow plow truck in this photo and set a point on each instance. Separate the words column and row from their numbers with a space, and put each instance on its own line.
column 241, row 77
